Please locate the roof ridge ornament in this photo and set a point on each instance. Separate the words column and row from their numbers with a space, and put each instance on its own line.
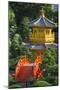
column 42, row 12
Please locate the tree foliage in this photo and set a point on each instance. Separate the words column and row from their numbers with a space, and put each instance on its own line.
column 50, row 64
column 40, row 83
column 24, row 27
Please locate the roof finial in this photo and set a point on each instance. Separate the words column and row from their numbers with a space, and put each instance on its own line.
column 42, row 12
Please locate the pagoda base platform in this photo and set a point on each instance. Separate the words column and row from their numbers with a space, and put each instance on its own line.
column 41, row 46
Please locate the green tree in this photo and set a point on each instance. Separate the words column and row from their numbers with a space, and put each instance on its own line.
column 50, row 64
column 15, row 45
column 40, row 83
column 24, row 27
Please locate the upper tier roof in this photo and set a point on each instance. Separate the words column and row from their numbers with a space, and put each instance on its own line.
column 42, row 21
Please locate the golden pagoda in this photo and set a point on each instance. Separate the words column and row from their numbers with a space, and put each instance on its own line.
column 41, row 35
column 42, row 30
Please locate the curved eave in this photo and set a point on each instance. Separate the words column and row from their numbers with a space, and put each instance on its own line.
column 43, row 26
column 42, row 22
